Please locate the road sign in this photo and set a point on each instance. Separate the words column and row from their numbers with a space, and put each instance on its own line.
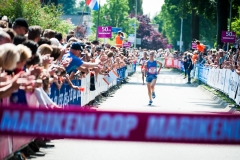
column 178, row 43
column 228, row 37
column 132, row 24
column 104, row 32
column 139, row 41
column 116, row 30
column 131, row 38
column 127, row 44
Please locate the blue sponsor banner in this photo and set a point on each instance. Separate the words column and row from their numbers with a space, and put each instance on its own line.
column 134, row 67
column 182, row 66
column 203, row 73
column 66, row 95
column 115, row 30
column 121, row 72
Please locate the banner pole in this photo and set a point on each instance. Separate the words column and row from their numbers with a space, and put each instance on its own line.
column 98, row 20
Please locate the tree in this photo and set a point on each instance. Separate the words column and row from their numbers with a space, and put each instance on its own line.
column 169, row 24
column 47, row 16
column 132, row 4
column 114, row 13
column 222, row 18
column 151, row 39
column 196, row 23
column 68, row 6
column 236, row 23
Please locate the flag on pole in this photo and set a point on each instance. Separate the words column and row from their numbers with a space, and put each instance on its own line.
column 93, row 4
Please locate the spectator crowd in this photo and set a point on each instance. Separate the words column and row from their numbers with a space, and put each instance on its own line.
column 213, row 58
column 33, row 58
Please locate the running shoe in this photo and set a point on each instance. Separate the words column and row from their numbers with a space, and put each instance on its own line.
column 150, row 103
column 153, row 95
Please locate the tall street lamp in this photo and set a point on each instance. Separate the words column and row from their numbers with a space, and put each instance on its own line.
column 135, row 41
column 180, row 43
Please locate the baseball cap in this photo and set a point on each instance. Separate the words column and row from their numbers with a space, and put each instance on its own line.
column 77, row 46
column 21, row 22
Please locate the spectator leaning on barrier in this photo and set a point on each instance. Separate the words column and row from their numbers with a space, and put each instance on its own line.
column 76, row 63
column 221, row 58
column 200, row 46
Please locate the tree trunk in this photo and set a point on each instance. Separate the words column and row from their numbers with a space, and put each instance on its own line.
column 222, row 19
column 195, row 25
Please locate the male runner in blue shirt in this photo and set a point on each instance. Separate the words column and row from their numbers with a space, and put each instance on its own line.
column 152, row 72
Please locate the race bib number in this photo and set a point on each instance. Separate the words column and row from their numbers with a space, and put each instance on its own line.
column 152, row 70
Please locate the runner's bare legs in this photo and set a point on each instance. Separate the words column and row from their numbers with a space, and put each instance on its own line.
column 153, row 83
column 143, row 75
column 149, row 91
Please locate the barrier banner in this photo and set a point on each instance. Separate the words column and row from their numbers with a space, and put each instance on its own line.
column 66, row 95
column 222, row 79
column 121, row 72
column 237, row 99
column 227, row 82
column 169, row 63
column 112, row 76
column 122, row 126
column 182, row 66
column 203, row 73
column 233, row 85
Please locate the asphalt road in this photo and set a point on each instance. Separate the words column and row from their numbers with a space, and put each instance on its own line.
column 173, row 95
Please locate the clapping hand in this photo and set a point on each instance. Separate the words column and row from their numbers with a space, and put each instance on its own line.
column 35, row 70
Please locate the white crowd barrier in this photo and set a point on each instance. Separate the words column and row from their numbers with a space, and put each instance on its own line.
column 224, row 80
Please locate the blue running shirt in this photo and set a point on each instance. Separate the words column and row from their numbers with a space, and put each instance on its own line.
column 152, row 68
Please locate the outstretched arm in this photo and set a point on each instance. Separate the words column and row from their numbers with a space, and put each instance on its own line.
column 158, row 62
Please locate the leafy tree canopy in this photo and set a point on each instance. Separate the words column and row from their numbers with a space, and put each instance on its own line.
column 48, row 16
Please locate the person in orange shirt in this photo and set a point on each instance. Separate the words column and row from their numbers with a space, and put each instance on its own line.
column 200, row 47
column 195, row 57
column 119, row 39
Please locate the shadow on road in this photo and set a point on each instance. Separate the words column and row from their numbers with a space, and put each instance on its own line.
column 164, row 84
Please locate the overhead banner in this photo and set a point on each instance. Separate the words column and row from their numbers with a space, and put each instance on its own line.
column 121, row 126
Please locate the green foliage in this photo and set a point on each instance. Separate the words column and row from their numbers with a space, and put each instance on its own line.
column 236, row 23
column 48, row 16
column 114, row 13
column 68, row 6
column 170, row 23
column 132, row 4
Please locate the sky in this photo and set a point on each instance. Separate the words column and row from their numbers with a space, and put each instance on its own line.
column 151, row 7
